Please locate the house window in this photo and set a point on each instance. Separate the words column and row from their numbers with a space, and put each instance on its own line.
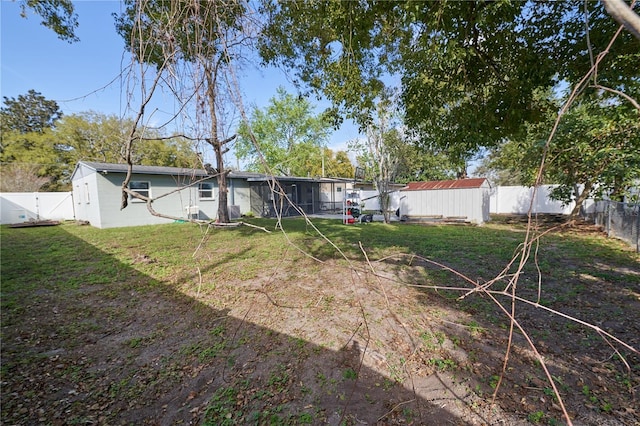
column 339, row 189
column 205, row 191
column 142, row 188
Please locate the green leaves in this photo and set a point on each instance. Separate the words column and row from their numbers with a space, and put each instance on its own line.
column 596, row 146
column 29, row 113
column 57, row 15
column 38, row 155
column 468, row 71
column 290, row 138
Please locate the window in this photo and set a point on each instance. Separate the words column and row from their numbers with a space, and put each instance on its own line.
column 205, row 191
column 339, row 189
column 142, row 188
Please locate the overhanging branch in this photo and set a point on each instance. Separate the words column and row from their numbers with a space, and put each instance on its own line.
column 624, row 15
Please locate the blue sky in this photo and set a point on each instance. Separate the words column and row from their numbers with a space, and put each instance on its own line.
column 80, row 76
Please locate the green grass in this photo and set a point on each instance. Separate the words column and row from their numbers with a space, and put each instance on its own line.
column 66, row 259
column 68, row 256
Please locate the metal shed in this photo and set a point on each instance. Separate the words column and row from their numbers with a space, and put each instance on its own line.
column 463, row 200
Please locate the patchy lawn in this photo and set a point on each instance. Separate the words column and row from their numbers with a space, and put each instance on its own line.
column 177, row 324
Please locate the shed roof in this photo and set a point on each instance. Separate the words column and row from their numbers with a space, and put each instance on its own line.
column 445, row 184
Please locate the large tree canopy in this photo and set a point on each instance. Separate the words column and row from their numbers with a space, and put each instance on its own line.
column 595, row 151
column 94, row 136
column 467, row 70
column 28, row 113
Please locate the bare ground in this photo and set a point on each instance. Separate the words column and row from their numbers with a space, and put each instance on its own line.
column 309, row 343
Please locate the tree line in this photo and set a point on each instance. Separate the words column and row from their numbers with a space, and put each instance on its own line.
column 40, row 146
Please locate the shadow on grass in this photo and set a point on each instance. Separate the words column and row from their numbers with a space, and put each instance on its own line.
column 593, row 279
column 89, row 339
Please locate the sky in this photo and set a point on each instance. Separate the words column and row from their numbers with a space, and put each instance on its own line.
column 84, row 76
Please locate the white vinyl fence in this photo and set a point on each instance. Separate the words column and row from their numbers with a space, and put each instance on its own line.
column 517, row 200
column 19, row 207
column 371, row 200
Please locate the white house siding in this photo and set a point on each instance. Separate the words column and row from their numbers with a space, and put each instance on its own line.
column 19, row 207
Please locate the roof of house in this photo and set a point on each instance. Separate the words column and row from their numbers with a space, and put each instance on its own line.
column 196, row 173
column 160, row 170
column 445, row 184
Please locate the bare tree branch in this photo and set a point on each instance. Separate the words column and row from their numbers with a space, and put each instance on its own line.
column 623, row 14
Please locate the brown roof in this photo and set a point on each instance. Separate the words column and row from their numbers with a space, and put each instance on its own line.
column 445, row 184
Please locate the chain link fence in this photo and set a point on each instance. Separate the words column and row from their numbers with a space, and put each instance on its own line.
column 619, row 220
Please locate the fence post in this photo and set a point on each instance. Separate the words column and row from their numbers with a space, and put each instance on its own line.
column 638, row 228
column 607, row 210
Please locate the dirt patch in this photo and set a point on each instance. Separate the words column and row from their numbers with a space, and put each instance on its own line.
column 309, row 343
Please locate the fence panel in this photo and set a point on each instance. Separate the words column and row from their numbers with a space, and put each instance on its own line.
column 619, row 220
column 18, row 207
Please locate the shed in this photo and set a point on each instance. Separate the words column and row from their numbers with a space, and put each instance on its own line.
column 464, row 200
column 97, row 194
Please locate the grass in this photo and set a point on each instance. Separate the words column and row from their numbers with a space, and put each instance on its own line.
column 38, row 262
column 242, row 253
column 167, row 254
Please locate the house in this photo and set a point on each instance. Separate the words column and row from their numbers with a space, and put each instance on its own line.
column 190, row 193
column 458, row 200
column 97, row 194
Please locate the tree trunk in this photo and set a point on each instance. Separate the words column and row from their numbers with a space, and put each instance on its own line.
column 223, row 207
column 218, row 147
column 580, row 201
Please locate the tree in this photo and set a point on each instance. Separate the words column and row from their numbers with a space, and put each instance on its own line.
column 595, row 151
column 51, row 154
column 290, row 137
column 492, row 166
column 19, row 177
column 93, row 136
column 379, row 153
column 419, row 163
column 34, row 152
column 338, row 165
column 27, row 140
column 598, row 147
column 201, row 36
column 29, row 113
column 57, row 15
column 468, row 70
